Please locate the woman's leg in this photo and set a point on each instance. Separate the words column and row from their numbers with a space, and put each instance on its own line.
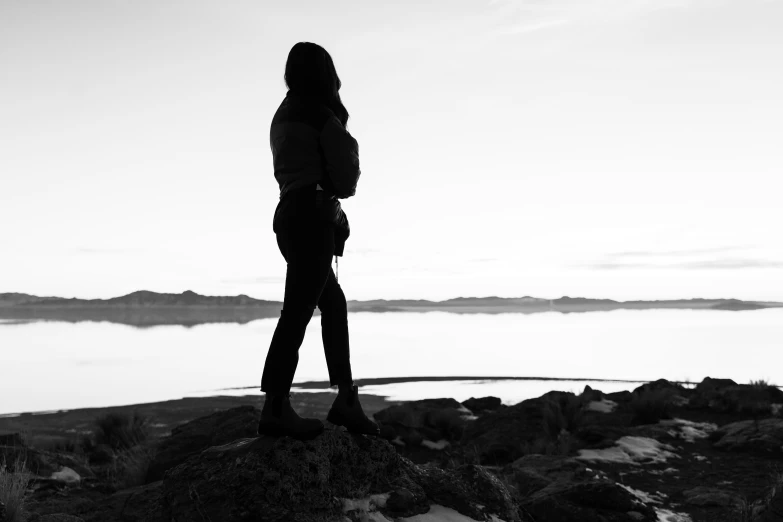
column 308, row 251
column 334, row 331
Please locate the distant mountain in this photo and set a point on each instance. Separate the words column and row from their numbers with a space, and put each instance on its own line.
column 138, row 298
column 146, row 308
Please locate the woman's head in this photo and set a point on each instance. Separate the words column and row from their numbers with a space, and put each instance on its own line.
column 310, row 72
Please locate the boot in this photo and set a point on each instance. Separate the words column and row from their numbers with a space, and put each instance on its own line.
column 346, row 411
column 278, row 419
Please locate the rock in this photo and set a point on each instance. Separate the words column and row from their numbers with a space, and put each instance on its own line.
column 597, row 436
column 620, row 396
column 706, row 496
column 709, row 384
column 67, row 476
column 60, row 517
column 482, row 404
column 428, row 419
column 498, row 437
column 138, row 504
column 401, row 500
column 740, row 398
column 527, row 481
column 189, row 438
column 284, row 479
column 593, row 501
column 660, row 384
column 765, row 437
column 591, row 394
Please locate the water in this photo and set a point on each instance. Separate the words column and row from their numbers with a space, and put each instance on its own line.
column 57, row 365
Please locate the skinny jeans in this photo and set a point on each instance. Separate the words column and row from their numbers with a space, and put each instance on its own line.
column 307, row 245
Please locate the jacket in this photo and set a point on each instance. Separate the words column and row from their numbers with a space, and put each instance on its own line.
column 316, row 163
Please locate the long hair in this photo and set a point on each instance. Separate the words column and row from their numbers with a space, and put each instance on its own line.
column 310, row 73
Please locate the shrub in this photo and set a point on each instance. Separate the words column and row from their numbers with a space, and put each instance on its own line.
column 121, row 431
column 651, row 406
column 129, row 468
column 12, row 489
column 761, row 383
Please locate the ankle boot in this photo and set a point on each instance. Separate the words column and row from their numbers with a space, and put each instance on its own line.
column 278, row 419
column 347, row 411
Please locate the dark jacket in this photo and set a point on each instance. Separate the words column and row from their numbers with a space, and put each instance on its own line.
column 316, row 162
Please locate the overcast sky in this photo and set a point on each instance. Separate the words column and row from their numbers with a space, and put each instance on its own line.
column 626, row 149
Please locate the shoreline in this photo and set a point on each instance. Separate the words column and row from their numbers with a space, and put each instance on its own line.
column 325, row 387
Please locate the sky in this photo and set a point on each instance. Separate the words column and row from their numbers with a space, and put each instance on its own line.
column 623, row 149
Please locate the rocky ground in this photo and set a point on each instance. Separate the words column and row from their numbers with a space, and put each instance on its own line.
column 659, row 453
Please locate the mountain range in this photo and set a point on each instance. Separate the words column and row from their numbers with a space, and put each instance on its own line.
column 146, row 308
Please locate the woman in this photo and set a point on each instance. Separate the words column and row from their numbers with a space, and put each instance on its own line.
column 316, row 161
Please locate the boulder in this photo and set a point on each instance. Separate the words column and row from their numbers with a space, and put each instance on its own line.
column 498, row 437
column 765, row 437
column 592, row 395
column 283, row 479
column 739, row 398
column 534, row 472
column 709, row 384
column 707, row 496
column 597, row 436
column 482, row 404
column 194, row 436
column 660, row 384
column 67, row 476
column 588, row 501
column 620, row 396
column 426, row 420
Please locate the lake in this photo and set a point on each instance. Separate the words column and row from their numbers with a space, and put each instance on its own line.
column 57, row 365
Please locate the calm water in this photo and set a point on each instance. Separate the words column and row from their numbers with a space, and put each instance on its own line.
column 54, row 365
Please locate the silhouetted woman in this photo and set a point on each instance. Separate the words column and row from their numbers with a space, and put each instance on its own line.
column 316, row 161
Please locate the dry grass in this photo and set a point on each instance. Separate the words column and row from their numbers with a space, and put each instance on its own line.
column 752, row 511
column 12, row 489
column 121, row 431
column 129, row 467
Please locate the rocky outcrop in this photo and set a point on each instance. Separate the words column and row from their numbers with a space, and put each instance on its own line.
column 590, row 501
column 213, row 430
column 282, row 479
column 498, row 437
column 431, row 420
column 740, row 398
column 660, row 385
column 483, row 404
column 766, row 436
column 707, row 496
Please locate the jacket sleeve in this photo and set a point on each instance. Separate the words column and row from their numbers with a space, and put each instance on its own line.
column 341, row 154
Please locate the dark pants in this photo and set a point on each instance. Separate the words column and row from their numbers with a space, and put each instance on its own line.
column 308, row 248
